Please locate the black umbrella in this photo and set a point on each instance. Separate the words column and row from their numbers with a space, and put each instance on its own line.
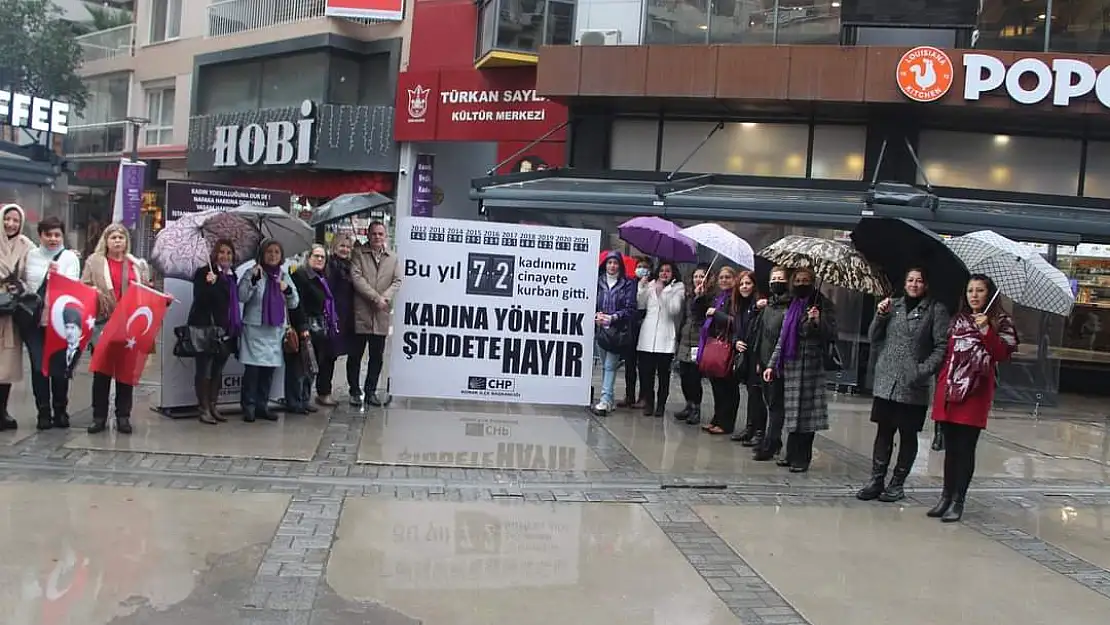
column 897, row 245
column 347, row 205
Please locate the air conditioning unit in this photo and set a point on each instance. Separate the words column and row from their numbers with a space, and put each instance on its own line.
column 600, row 37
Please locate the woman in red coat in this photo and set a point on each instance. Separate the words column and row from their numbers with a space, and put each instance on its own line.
column 979, row 337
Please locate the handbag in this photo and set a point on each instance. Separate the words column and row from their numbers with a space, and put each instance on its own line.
column 614, row 338
column 291, row 343
column 193, row 341
column 716, row 356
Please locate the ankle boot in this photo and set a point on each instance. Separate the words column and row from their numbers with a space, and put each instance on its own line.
column 880, row 462
column 895, row 491
column 203, row 402
column 956, row 512
column 744, row 435
column 99, row 424
column 7, row 422
column 660, row 405
column 45, row 419
column 695, row 415
column 123, row 425
column 649, row 408
column 938, row 439
column 61, row 417
column 681, row 415
column 941, row 507
column 214, row 400
column 755, row 441
column 766, row 451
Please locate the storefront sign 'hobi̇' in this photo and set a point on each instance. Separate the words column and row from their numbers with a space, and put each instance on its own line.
column 270, row 143
column 1031, row 81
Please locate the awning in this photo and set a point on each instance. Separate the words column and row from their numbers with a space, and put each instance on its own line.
column 833, row 204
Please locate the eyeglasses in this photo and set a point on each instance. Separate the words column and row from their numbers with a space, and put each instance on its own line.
column 317, row 256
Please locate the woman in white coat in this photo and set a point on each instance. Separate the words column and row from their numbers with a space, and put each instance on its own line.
column 662, row 295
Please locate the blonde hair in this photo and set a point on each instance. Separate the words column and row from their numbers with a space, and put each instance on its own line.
column 340, row 239
column 102, row 244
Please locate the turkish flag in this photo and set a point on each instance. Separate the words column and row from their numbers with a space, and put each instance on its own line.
column 71, row 307
column 128, row 337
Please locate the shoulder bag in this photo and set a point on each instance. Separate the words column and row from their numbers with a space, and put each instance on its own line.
column 715, row 357
column 193, row 341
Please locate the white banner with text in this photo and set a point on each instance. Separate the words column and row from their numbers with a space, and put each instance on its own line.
column 494, row 312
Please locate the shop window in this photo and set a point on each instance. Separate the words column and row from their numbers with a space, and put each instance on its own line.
column 754, row 149
column 343, row 80
column 160, row 111
column 522, row 26
column 838, row 152
column 633, row 144
column 290, row 80
column 743, row 21
column 1012, row 25
column 1000, row 162
column 1096, row 182
column 165, row 20
column 1080, row 26
column 1087, row 333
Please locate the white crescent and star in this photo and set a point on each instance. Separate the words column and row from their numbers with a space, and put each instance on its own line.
column 145, row 313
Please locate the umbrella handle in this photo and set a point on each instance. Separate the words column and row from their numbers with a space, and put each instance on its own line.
column 991, row 303
column 715, row 257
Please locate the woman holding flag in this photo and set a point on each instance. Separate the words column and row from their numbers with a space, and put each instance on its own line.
column 111, row 270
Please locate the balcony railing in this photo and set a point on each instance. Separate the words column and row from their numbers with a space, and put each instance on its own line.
column 229, row 17
column 107, row 138
column 108, row 44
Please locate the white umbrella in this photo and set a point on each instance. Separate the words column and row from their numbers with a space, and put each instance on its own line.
column 294, row 235
column 1018, row 271
column 723, row 242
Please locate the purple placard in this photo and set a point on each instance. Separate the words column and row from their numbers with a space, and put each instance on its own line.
column 423, row 196
column 130, row 191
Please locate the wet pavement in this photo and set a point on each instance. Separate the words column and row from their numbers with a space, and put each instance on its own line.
column 459, row 513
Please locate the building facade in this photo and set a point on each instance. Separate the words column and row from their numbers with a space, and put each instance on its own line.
column 782, row 116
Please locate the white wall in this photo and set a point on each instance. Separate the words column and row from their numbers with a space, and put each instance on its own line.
column 626, row 16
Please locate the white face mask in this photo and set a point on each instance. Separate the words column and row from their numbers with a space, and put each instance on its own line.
column 642, row 272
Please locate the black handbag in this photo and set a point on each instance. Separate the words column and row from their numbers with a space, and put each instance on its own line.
column 193, row 341
column 614, row 338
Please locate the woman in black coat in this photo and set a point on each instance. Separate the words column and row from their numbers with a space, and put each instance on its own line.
column 317, row 319
column 215, row 303
column 343, row 290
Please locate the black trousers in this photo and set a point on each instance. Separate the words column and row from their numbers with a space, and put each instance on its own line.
column 631, row 371
column 690, row 377
column 51, row 392
column 776, row 414
column 726, row 401
column 756, row 410
column 654, row 367
column 210, row 367
column 959, row 457
column 375, row 345
column 799, row 448
column 101, row 389
column 325, row 364
column 255, row 395
column 896, row 420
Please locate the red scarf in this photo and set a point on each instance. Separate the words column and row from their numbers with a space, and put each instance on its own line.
column 971, row 362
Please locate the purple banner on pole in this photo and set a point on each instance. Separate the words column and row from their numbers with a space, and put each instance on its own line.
column 130, row 192
column 423, row 195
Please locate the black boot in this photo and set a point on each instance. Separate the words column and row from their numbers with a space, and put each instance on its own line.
column 45, row 420
column 755, row 441
column 649, row 408
column 661, row 403
column 895, row 491
column 683, row 414
column 766, row 451
column 61, row 417
column 123, row 424
column 745, row 435
column 938, row 438
column 7, row 422
column 956, row 512
column 695, row 415
column 99, row 424
column 880, row 462
column 941, row 507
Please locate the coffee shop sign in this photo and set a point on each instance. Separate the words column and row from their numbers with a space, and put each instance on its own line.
column 270, row 143
column 23, row 111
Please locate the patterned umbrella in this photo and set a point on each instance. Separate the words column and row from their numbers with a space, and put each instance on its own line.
column 186, row 243
column 1018, row 270
column 725, row 243
column 832, row 262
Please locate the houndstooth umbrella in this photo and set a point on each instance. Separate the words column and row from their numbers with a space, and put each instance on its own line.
column 832, row 262
column 1018, row 270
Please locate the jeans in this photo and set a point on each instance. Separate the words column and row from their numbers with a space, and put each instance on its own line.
column 101, row 389
column 609, row 361
column 255, row 396
column 375, row 344
column 652, row 366
column 210, row 367
column 959, row 457
column 690, row 377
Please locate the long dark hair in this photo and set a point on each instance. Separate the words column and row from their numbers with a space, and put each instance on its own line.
column 995, row 311
column 675, row 275
column 213, row 263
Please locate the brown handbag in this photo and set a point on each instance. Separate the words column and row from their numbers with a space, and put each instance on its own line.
column 291, row 343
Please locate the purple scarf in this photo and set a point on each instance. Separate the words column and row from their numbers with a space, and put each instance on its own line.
column 788, row 336
column 234, row 314
column 704, row 334
column 330, row 315
column 273, row 300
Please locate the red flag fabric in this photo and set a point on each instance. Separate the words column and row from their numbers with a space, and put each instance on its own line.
column 71, row 310
column 129, row 335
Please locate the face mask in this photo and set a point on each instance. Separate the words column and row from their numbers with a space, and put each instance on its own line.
column 642, row 272
column 51, row 250
column 778, row 288
column 803, row 290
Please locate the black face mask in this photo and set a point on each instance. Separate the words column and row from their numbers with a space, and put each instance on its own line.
column 803, row 291
column 778, row 288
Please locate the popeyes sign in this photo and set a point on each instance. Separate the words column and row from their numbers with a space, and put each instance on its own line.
column 925, row 74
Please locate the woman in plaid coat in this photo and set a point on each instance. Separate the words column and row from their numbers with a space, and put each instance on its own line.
column 799, row 358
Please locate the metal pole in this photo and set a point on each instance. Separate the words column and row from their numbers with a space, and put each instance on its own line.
column 134, row 141
column 1047, row 24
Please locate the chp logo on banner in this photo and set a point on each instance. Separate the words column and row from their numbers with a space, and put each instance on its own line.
column 390, row 10
column 71, row 316
column 496, row 312
column 128, row 337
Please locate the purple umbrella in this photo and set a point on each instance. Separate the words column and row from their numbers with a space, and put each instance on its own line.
column 186, row 243
column 659, row 238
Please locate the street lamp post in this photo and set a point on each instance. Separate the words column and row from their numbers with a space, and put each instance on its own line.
column 137, row 124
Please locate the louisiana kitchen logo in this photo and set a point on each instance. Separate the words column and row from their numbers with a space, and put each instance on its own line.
column 924, row 74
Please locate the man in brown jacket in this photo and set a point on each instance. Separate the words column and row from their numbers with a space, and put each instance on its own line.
column 376, row 276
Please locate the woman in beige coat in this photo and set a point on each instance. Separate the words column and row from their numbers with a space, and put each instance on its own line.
column 110, row 270
column 14, row 246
